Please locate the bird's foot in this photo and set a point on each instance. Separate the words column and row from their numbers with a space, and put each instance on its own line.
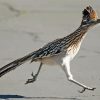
column 33, row 79
column 87, row 88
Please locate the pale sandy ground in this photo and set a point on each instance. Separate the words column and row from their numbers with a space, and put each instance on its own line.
column 26, row 25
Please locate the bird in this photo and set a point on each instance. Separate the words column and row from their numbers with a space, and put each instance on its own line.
column 59, row 52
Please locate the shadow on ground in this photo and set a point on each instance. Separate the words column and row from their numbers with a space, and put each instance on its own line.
column 40, row 98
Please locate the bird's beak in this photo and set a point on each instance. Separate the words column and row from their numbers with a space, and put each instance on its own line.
column 98, row 21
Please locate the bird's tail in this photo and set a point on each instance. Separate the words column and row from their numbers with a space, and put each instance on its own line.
column 14, row 64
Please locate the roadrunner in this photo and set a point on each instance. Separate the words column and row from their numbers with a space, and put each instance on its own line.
column 60, row 51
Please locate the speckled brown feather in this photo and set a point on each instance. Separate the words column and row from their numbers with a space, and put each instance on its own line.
column 66, row 44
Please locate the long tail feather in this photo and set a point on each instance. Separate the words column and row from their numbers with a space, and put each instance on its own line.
column 11, row 66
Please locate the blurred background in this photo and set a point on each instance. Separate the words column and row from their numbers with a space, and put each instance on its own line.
column 25, row 26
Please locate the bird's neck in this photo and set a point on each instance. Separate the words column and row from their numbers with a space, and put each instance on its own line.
column 79, row 34
column 75, row 38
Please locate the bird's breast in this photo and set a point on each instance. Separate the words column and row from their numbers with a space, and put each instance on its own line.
column 73, row 50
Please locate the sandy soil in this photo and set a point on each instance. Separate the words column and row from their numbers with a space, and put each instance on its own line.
column 26, row 25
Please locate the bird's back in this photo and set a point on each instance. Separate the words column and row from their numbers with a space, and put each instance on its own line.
column 68, row 45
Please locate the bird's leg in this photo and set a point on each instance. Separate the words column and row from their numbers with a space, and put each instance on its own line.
column 82, row 85
column 34, row 77
column 66, row 68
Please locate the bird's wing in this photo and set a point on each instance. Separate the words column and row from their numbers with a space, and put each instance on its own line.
column 53, row 48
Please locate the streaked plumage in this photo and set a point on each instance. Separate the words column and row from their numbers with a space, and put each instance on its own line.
column 60, row 51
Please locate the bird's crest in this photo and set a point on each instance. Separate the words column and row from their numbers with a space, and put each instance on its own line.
column 89, row 14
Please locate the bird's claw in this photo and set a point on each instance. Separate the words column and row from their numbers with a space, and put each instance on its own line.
column 86, row 88
column 32, row 79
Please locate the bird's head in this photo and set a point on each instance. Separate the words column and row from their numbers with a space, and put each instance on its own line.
column 90, row 16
